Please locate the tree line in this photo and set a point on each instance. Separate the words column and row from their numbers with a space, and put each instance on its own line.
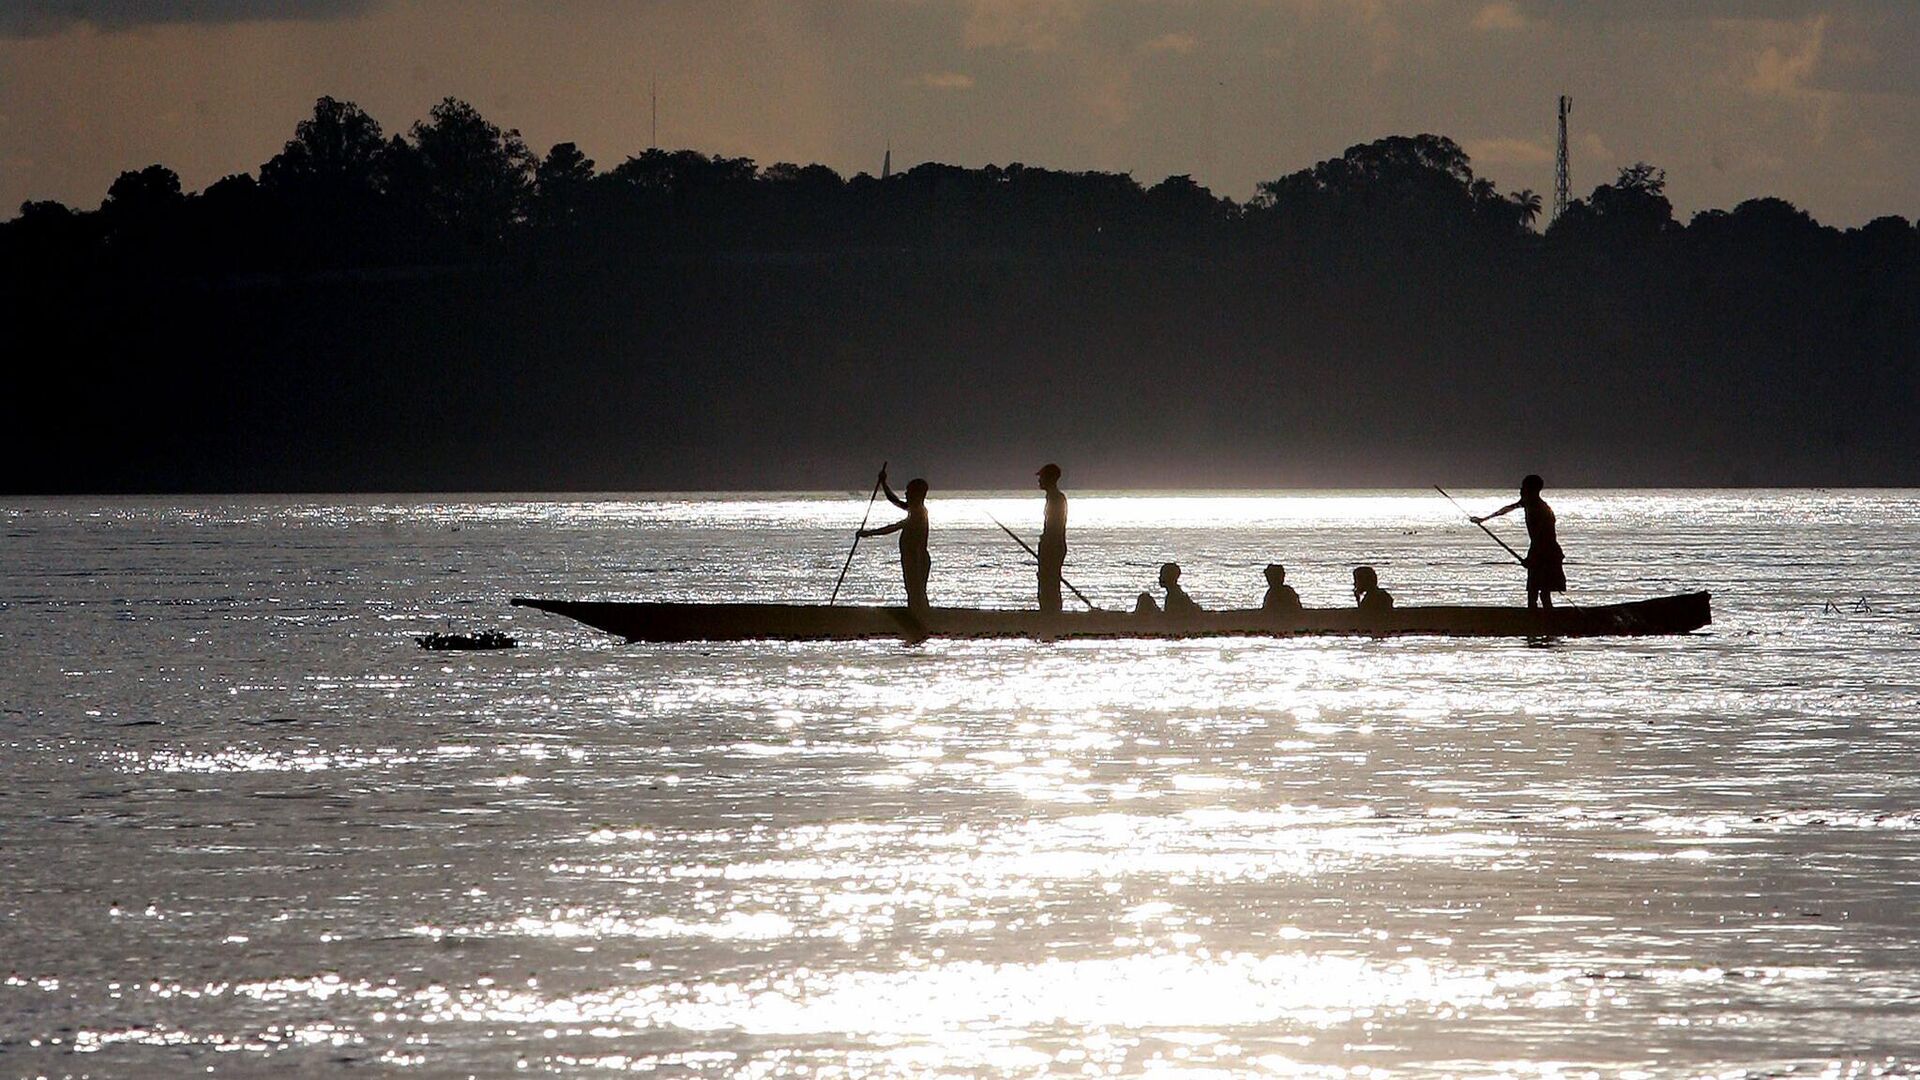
column 456, row 186
column 386, row 311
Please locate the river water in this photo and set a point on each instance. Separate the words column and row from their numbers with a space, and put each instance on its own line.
column 247, row 827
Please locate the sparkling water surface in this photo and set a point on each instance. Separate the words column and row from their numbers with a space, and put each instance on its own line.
column 247, row 827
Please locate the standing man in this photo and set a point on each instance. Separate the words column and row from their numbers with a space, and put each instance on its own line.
column 915, row 564
column 1546, row 563
column 1053, row 539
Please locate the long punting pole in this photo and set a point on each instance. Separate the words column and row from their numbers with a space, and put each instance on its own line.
column 1482, row 524
column 1091, row 606
column 856, row 537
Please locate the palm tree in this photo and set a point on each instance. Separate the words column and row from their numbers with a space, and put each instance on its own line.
column 1526, row 206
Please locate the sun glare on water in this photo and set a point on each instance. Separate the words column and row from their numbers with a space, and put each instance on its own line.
column 1223, row 856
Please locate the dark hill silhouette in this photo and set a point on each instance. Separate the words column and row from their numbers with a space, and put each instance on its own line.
column 445, row 310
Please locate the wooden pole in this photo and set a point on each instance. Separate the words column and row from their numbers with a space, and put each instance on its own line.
column 1482, row 524
column 1091, row 606
column 856, row 537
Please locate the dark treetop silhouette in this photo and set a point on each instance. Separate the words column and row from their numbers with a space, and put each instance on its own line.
column 442, row 310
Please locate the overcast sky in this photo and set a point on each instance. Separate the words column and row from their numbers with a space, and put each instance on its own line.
column 1817, row 101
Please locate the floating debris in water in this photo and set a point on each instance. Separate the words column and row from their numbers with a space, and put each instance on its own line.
column 485, row 639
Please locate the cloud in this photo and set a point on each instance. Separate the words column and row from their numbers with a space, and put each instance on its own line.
column 1593, row 146
column 1872, row 55
column 1701, row 10
column 1782, row 70
column 1024, row 25
column 1107, row 95
column 1507, row 152
column 1180, row 43
column 40, row 18
column 1499, row 16
column 1803, row 60
column 944, row 80
column 1785, row 49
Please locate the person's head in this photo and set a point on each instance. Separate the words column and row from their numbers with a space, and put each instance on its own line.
column 1276, row 574
column 1169, row 575
column 1530, row 487
column 916, row 491
column 1365, row 579
column 1049, row 475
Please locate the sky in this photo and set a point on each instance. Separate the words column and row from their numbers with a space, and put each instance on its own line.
column 1814, row 101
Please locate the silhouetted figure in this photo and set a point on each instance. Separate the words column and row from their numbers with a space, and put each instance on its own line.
column 1178, row 602
column 1281, row 599
column 1546, row 563
column 915, row 563
column 1373, row 599
column 1053, row 539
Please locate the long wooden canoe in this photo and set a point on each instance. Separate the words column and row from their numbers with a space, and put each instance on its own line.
column 664, row 622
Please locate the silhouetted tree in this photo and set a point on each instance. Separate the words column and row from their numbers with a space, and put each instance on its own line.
column 404, row 174
column 683, row 197
column 801, row 177
column 152, row 191
column 476, row 176
column 142, row 211
column 1526, row 207
column 43, row 213
column 1773, row 217
column 327, row 188
column 1406, row 186
column 805, row 208
column 1634, row 205
column 1179, row 204
column 1888, row 241
column 564, row 170
column 50, row 238
column 333, row 161
column 236, row 189
column 686, row 175
column 561, row 183
column 234, row 226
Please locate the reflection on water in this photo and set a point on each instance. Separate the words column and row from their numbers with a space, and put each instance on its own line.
column 248, row 826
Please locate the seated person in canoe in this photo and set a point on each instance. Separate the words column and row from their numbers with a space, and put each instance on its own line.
column 1280, row 599
column 916, row 565
column 1367, row 593
column 1546, row 564
column 1178, row 602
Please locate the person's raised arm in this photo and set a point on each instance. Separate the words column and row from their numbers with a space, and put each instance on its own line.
column 882, row 530
column 1507, row 509
column 891, row 497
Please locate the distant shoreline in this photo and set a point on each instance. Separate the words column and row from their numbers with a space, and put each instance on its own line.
column 446, row 311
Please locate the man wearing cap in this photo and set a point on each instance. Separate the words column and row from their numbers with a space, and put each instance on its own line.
column 1053, row 539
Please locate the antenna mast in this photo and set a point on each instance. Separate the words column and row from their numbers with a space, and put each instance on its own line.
column 653, row 136
column 1562, row 183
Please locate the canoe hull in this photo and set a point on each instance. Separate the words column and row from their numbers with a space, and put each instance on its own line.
column 675, row 622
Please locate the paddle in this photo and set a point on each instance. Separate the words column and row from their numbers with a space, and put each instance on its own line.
column 1482, row 524
column 1091, row 606
column 856, row 537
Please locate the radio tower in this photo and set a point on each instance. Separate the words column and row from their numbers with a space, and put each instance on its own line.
column 1562, row 183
